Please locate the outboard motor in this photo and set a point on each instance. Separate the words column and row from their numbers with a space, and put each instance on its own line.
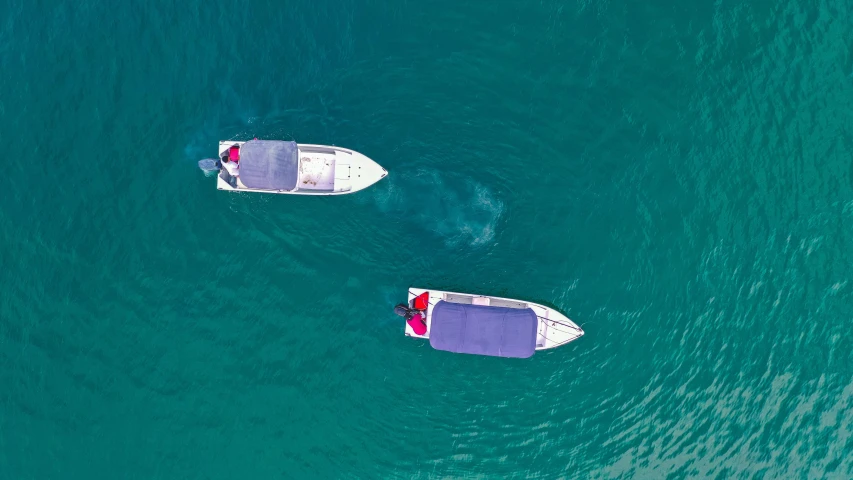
column 404, row 311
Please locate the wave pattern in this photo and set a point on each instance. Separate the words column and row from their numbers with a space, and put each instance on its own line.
column 674, row 176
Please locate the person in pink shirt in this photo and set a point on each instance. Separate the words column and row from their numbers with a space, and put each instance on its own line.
column 413, row 317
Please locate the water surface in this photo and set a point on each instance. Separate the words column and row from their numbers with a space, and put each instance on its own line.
column 674, row 176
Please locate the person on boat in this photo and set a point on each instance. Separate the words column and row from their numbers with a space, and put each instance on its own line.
column 231, row 161
column 413, row 317
column 231, row 167
column 418, row 324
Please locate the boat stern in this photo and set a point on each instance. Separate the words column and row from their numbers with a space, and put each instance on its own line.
column 434, row 298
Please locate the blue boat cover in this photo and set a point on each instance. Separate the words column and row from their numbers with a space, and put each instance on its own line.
column 269, row 164
column 483, row 330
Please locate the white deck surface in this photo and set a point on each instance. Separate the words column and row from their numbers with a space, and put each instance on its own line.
column 316, row 171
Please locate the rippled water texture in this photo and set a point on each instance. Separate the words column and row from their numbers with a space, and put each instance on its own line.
column 674, row 176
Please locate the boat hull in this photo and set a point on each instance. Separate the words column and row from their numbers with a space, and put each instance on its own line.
column 553, row 328
column 323, row 170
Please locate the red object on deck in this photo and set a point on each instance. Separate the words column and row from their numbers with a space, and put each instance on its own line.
column 418, row 325
column 422, row 301
column 234, row 153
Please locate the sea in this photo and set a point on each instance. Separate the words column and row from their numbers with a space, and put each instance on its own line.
column 676, row 177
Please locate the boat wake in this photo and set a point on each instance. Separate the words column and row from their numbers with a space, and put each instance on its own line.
column 455, row 208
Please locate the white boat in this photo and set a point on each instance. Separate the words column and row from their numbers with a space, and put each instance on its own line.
column 275, row 166
column 486, row 325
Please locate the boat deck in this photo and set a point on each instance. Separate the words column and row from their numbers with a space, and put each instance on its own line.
column 490, row 301
column 316, row 171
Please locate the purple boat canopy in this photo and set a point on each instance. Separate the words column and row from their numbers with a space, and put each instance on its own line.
column 482, row 330
column 269, row 164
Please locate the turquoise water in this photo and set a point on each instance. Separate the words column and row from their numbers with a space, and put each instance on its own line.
column 674, row 176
